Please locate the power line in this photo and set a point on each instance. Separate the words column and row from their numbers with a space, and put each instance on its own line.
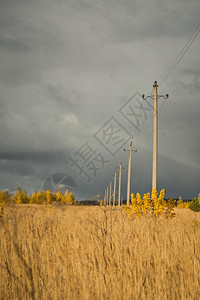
column 174, row 64
column 181, row 54
column 179, row 57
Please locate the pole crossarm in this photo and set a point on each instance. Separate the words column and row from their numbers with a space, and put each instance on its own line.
column 158, row 97
column 132, row 150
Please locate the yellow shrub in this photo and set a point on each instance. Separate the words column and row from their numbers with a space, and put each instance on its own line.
column 155, row 205
column 146, row 203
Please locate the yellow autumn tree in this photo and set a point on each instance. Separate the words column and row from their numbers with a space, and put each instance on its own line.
column 169, row 208
column 154, row 202
column 158, row 202
column 155, row 206
column 139, row 204
column 21, row 197
column 68, row 198
column 49, row 198
column 134, row 208
column 137, row 207
column 146, row 207
column 5, row 198
column 33, row 198
column 37, row 198
column 59, row 196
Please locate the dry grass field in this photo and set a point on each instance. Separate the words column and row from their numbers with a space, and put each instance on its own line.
column 82, row 252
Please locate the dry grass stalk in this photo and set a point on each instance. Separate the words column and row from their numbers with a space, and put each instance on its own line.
column 97, row 253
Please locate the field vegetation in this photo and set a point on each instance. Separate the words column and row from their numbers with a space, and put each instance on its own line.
column 38, row 197
column 83, row 252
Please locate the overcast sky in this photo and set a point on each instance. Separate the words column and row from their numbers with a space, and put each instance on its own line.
column 71, row 70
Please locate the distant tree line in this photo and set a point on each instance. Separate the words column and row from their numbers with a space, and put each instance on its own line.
column 48, row 197
column 38, row 197
column 180, row 203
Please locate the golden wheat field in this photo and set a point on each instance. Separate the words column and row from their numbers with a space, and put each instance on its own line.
column 80, row 252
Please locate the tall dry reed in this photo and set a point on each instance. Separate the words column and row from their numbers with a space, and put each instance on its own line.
column 97, row 253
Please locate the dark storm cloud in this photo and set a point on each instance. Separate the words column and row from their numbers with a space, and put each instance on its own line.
column 33, row 157
column 183, row 177
column 29, row 164
column 27, row 46
column 68, row 66
column 29, row 169
column 64, row 97
column 128, row 21
column 16, row 168
column 12, row 44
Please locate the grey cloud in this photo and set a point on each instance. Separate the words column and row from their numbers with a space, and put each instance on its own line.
column 128, row 22
column 65, row 97
column 12, row 44
column 68, row 66
column 33, row 157
column 182, row 181
column 16, row 168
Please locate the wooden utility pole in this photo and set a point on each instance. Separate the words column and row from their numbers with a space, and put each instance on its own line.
column 110, row 195
column 155, row 137
column 155, row 132
column 107, row 196
column 129, row 174
column 120, row 183
column 114, row 188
